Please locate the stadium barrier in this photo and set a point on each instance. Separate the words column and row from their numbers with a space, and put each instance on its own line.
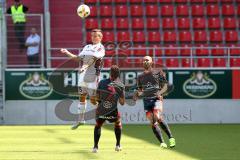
column 214, row 100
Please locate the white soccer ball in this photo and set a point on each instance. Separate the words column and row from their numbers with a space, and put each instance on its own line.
column 83, row 11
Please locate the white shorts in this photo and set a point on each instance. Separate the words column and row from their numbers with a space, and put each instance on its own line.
column 89, row 88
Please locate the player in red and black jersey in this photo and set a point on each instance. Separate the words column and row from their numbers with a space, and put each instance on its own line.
column 152, row 84
column 109, row 93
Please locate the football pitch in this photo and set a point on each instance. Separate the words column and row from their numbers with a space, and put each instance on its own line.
column 207, row 142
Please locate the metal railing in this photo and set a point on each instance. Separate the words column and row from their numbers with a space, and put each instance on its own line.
column 164, row 53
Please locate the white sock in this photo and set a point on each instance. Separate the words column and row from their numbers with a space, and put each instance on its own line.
column 81, row 110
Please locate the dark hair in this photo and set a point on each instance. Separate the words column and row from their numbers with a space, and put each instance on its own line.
column 114, row 72
column 17, row 0
column 97, row 30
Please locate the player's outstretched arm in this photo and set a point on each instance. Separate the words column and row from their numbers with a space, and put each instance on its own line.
column 69, row 54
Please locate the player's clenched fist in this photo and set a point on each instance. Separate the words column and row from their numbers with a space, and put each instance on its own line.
column 64, row 50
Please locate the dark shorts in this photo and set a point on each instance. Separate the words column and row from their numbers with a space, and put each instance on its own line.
column 111, row 117
column 149, row 104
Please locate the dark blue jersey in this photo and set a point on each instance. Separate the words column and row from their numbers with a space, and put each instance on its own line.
column 108, row 93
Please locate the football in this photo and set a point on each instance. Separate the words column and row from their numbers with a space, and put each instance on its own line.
column 83, row 11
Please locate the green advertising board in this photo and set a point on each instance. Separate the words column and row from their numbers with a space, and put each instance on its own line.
column 60, row 84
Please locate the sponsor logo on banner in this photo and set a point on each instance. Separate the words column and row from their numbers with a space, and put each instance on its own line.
column 199, row 86
column 36, row 87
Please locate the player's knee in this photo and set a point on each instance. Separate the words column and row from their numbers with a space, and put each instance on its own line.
column 93, row 100
column 99, row 124
column 118, row 124
column 82, row 98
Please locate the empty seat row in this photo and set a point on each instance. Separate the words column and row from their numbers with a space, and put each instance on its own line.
column 215, row 36
column 176, row 62
column 173, row 50
column 160, row 1
column 166, row 23
column 166, row 10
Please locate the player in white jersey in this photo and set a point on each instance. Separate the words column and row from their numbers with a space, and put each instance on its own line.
column 91, row 58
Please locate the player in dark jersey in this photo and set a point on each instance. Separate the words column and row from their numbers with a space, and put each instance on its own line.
column 109, row 93
column 152, row 84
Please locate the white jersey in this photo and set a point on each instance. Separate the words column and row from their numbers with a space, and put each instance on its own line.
column 89, row 53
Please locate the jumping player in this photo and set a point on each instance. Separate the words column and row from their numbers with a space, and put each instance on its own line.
column 109, row 93
column 90, row 58
column 151, row 86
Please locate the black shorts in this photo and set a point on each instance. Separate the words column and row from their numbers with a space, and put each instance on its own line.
column 111, row 117
column 150, row 104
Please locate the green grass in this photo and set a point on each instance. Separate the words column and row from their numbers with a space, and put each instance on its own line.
column 208, row 142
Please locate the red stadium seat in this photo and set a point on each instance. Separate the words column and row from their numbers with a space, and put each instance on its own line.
column 182, row 10
column 202, row 50
column 136, row 10
column 227, row 1
column 185, row 50
column 123, row 36
column 185, row 36
column 140, row 50
column 91, row 23
column 157, row 51
column 150, row 1
column 107, row 23
column 153, row 23
column 216, row 36
column 212, row 10
column 218, row 51
column 88, row 37
column 165, row 1
column 121, row 10
column 211, row 1
column 151, row 10
column 186, row 62
column 171, row 50
column 106, row 10
column 135, row 1
column 234, row 51
column 138, row 63
column 181, row 1
column 197, row 1
column 154, row 36
column 121, row 1
column 235, row 62
column 214, row 23
column 169, row 36
column 197, row 10
column 93, row 10
column 231, row 36
column 137, row 23
column 199, row 23
column 138, row 36
column 200, row 36
column 228, row 10
column 238, row 10
column 167, row 10
column 107, row 62
column 230, row 23
column 168, row 23
column 183, row 23
column 158, row 62
column 108, row 36
column 219, row 62
column 203, row 62
column 90, row 1
column 122, row 23
column 172, row 62
column 105, row 1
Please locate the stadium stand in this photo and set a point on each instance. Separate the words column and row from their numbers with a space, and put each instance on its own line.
column 192, row 29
